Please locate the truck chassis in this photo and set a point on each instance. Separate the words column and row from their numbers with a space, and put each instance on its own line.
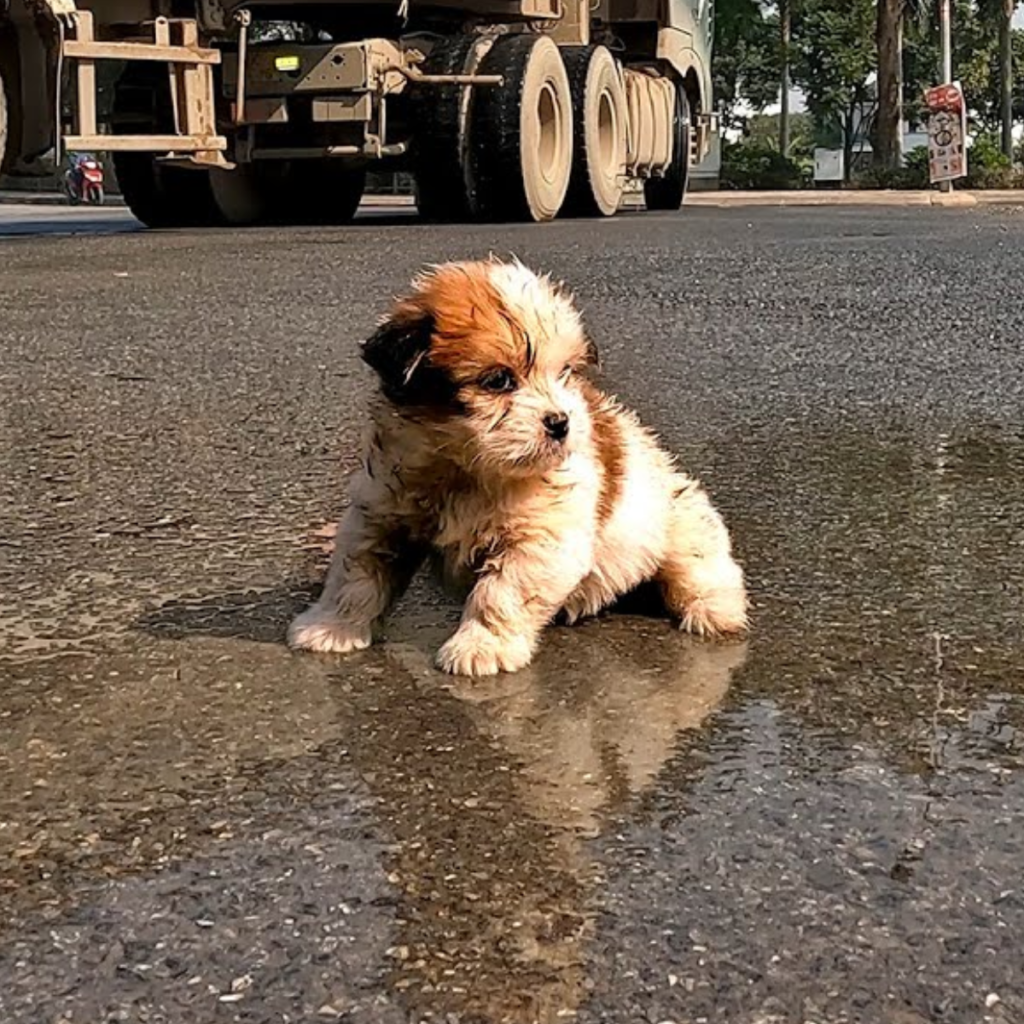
column 247, row 112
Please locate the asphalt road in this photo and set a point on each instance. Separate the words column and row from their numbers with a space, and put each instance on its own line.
column 823, row 825
column 27, row 216
column 32, row 219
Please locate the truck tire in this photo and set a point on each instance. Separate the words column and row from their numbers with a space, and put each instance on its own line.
column 440, row 165
column 668, row 192
column 241, row 195
column 10, row 102
column 298, row 192
column 323, row 192
column 599, row 132
column 4, row 124
column 165, row 197
column 522, row 131
column 158, row 195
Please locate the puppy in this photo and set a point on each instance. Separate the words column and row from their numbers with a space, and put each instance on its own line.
column 489, row 447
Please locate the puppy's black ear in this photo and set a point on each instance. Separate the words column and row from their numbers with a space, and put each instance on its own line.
column 399, row 352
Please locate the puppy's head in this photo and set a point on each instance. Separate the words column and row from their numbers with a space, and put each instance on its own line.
column 487, row 357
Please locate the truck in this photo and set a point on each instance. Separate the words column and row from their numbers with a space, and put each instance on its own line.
column 239, row 112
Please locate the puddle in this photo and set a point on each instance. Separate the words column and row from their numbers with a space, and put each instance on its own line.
column 822, row 824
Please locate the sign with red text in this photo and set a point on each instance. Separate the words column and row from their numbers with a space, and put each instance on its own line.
column 947, row 132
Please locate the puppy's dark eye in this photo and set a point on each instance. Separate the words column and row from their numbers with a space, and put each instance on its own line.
column 498, row 381
column 566, row 372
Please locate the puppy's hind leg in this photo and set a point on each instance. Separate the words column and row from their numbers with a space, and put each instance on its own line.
column 371, row 568
column 702, row 583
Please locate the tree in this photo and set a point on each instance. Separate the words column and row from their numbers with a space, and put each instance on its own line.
column 977, row 62
column 998, row 15
column 921, row 53
column 894, row 18
column 888, row 43
column 745, row 64
column 834, row 55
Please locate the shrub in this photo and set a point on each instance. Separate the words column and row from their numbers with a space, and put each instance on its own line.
column 916, row 165
column 913, row 175
column 759, row 166
column 987, row 165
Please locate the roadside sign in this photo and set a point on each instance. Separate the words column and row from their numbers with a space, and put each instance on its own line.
column 947, row 132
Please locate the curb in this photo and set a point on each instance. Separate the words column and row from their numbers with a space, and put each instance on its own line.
column 855, row 198
column 955, row 199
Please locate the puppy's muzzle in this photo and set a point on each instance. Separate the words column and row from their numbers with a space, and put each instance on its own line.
column 556, row 425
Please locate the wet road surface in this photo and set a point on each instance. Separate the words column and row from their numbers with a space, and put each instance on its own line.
column 29, row 218
column 825, row 824
column 22, row 218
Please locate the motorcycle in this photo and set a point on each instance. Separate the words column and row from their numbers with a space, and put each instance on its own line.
column 83, row 181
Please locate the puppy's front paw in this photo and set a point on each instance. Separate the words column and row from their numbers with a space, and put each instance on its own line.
column 319, row 630
column 473, row 650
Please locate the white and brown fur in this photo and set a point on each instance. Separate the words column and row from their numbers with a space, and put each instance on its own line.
column 482, row 370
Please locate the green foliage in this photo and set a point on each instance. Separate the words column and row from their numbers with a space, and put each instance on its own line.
column 834, row 55
column 988, row 166
column 831, row 55
column 746, row 62
column 763, row 129
column 917, row 164
column 759, row 166
column 912, row 176
column 975, row 62
column 985, row 152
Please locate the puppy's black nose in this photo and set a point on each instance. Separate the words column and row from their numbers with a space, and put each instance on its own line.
column 557, row 425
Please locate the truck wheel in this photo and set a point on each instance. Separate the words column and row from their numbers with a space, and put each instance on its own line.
column 441, row 113
column 599, row 132
column 668, row 192
column 300, row 192
column 10, row 99
column 323, row 192
column 522, row 131
column 158, row 195
column 244, row 195
column 165, row 197
column 4, row 124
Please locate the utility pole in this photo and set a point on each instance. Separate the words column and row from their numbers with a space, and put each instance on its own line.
column 947, row 42
column 946, row 36
column 901, row 125
column 785, row 25
column 1006, row 75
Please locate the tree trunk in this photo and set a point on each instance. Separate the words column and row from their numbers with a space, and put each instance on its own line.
column 887, row 123
column 1006, row 76
column 785, row 25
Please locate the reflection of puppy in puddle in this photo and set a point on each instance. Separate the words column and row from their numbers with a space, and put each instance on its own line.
column 599, row 721
column 489, row 446
column 574, row 739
